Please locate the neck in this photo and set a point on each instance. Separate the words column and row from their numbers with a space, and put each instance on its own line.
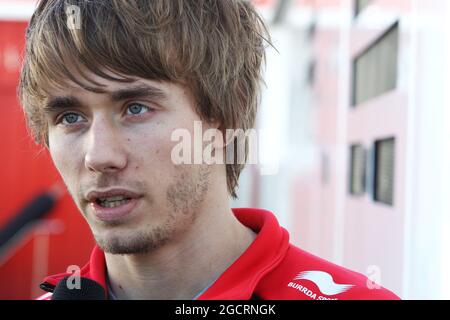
column 182, row 269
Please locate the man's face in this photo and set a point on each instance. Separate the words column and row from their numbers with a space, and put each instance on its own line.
column 121, row 140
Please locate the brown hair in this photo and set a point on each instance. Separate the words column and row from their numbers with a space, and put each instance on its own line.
column 215, row 46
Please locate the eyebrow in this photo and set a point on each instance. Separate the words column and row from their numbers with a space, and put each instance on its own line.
column 138, row 91
column 56, row 104
column 60, row 103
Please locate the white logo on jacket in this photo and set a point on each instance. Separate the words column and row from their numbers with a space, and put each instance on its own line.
column 324, row 281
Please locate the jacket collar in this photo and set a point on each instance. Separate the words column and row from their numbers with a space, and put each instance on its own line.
column 238, row 282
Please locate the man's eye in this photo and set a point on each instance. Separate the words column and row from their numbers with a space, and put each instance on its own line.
column 69, row 118
column 137, row 108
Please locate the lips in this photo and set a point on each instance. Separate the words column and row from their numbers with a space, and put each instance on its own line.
column 104, row 211
column 94, row 196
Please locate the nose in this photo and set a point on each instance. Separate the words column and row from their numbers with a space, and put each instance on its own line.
column 105, row 152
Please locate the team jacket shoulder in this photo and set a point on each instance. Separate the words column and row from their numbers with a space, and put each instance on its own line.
column 303, row 276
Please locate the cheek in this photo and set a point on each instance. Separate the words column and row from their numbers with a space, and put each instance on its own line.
column 65, row 156
column 151, row 158
column 155, row 158
column 152, row 146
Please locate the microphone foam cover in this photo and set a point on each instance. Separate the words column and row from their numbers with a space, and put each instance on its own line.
column 87, row 290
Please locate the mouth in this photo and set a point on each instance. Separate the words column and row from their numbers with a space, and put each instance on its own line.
column 113, row 204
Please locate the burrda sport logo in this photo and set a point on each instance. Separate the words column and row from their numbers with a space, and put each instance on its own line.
column 323, row 280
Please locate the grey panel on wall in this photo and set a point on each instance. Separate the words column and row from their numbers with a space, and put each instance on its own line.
column 384, row 171
column 375, row 70
column 357, row 170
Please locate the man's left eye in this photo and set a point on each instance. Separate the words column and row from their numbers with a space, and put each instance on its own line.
column 137, row 108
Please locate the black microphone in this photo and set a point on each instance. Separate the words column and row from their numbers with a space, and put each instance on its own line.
column 87, row 290
column 33, row 212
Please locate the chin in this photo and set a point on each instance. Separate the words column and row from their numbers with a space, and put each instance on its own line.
column 131, row 241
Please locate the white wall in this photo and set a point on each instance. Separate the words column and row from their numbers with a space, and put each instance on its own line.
column 427, row 196
column 406, row 246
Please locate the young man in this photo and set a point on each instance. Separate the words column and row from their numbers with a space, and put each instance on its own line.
column 105, row 85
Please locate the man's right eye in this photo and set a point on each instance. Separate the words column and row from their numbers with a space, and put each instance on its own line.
column 69, row 118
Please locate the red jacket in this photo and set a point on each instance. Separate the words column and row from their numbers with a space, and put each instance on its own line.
column 270, row 269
